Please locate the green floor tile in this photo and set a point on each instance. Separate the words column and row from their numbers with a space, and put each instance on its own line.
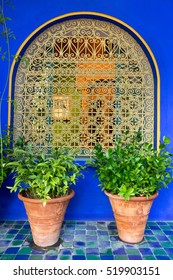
column 103, row 238
column 9, row 222
column 143, row 245
column 35, row 257
column 166, row 244
column 25, row 251
column 165, row 227
column 8, row 257
column 132, row 251
column 117, row 244
column 18, row 226
column 121, row 257
column 150, row 223
column 158, row 232
column 148, row 258
column 67, row 244
column 64, row 257
column 24, row 231
column 4, row 230
column 92, row 244
column 80, row 237
column 170, row 237
column 91, row 232
column 171, row 257
column 92, row 257
column 106, row 251
column 52, row 252
column 80, row 226
column 79, row 252
column 10, row 236
column 159, row 252
column 150, row 238
column 16, row 242
column 2, row 250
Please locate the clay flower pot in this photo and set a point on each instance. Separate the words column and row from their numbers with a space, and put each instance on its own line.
column 46, row 221
column 131, row 216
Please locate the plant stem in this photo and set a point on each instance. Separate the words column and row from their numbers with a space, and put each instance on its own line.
column 4, row 31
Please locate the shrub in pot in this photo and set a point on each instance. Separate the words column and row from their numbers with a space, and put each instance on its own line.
column 44, row 184
column 131, row 173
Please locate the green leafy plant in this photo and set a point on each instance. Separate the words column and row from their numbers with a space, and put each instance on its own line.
column 43, row 177
column 133, row 168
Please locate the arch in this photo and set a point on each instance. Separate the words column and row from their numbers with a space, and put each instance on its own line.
column 99, row 94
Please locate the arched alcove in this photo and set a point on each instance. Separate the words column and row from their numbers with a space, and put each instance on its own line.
column 84, row 78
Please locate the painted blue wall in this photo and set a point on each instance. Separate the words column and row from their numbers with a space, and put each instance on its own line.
column 153, row 21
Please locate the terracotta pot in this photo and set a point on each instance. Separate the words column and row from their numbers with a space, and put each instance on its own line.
column 131, row 216
column 46, row 221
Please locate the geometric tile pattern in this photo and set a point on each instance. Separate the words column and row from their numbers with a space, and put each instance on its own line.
column 85, row 82
column 88, row 240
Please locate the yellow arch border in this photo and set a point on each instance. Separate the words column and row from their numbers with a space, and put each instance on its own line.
column 98, row 15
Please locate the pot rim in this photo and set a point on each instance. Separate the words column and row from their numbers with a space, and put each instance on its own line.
column 48, row 201
column 135, row 198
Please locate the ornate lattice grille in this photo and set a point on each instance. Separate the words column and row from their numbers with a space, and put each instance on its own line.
column 87, row 81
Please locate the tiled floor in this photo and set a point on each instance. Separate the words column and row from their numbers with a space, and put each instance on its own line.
column 86, row 241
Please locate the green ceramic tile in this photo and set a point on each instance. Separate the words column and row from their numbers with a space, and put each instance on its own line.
column 159, row 252
column 92, row 244
column 70, row 222
column 8, row 257
column 112, row 232
column 150, row 223
column 64, row 257
column 80, row 226
column 170, row 223
column 143, row 244
column 166, row 244
column 29, row 237
column 4, row 230
column 121, row 257
column 117, row 244
column 132, row 251
column 150, row 238
column 91, row 232
column 9, row 222
column 51, row 252
column 24, row 231
column 158, row 232
column 25, row 251
column 103, row 238
column 80, row 237
column 79, row 252
column 67, row 244
column 170, row 237
column 18, row 226
column 90, row 223
column 171, row 257
column 92, row 257
column 2, row 250
column 106, row 251
column 10, row 236
column 101, row 227
column 16, row 242
column 36, row 257
column 165, row 227
column 148, row 258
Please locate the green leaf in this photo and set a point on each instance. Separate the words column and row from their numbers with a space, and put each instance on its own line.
column 166, row 140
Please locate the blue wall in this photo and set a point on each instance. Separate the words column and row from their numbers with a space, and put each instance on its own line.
column 153, row 21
